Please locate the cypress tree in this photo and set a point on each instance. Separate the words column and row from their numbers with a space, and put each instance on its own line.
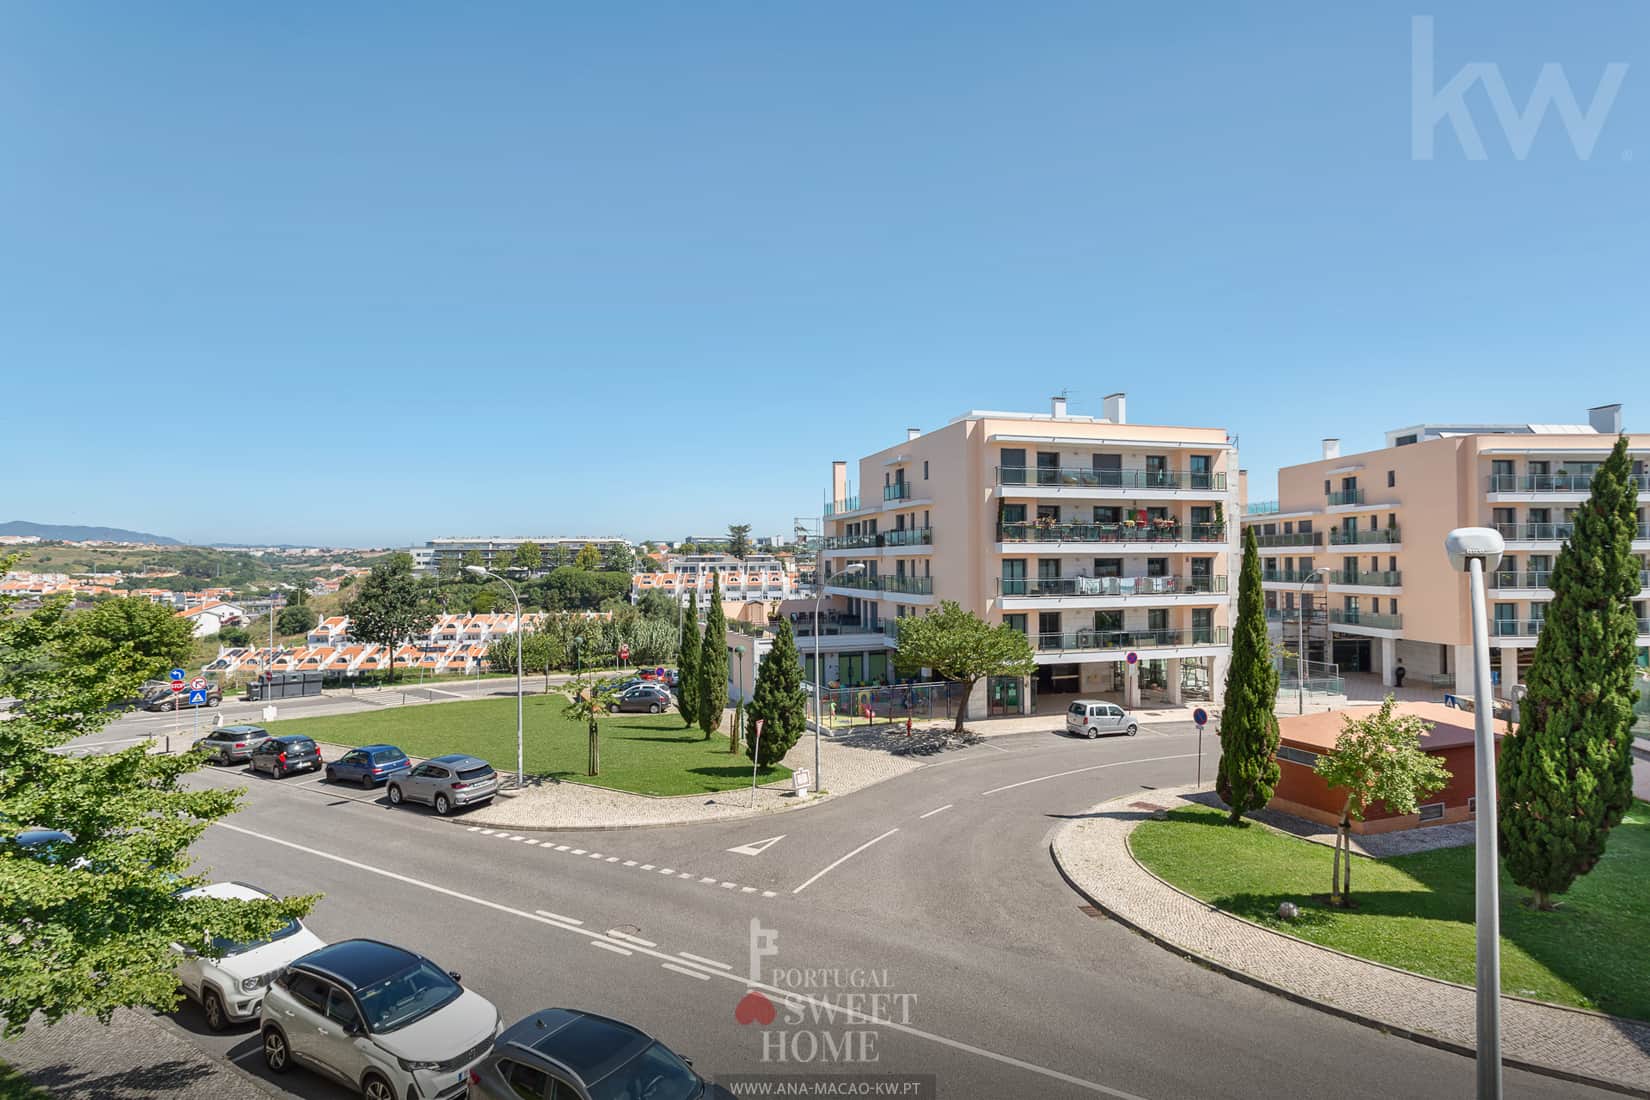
column 687, row 663
column 779, row 700
column 1566, row 776
column 713, row 663
column 1248, row 725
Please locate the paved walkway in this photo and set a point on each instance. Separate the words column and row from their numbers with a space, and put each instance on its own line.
column 1093, row 854
column 136, row 1057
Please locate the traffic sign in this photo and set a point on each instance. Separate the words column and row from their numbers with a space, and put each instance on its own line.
column 1200, row 716
column 178, row 674
column 624, row 653
column 198, row 684
column 177, row 685
column 197, row 697
column 1133, row 657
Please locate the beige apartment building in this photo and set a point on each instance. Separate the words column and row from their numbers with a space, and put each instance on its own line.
column 1355, row 543
column 1101, row 540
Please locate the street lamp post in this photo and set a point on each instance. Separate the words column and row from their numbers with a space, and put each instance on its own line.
column 819, row 697
column 1300, row 657
column 1477, row 550
column 521, row 762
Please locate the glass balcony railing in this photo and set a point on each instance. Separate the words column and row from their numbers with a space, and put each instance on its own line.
column 909, row 536
column 1314, row 615
column 1346, row 496
column 1511, row 578
column 888, row 582
column 899, row 490
column 1343, row 617
column 1515, row 628
column 1294, row 538
column 1131, row 639
column 1554, row 532
column 1555, row 483
column 1150, row 531
column 863, row 582
column 1083, row 477
column 1109, row 586
column 837, row 507
column 1261, row 508
column 1387, row 536
column 1378, row 578
column 850, row 542
column 831, row 629
column 1293, row 576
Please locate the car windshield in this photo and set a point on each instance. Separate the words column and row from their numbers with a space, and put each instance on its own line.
column 410, row 995
column 654, row 1074
column 236, row 947
column 387, row 757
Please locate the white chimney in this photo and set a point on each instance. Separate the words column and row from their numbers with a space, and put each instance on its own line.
column 1115, row 408
column 1058, row 407
column 1332, row 448
column 912, row 433
column 1605, row 419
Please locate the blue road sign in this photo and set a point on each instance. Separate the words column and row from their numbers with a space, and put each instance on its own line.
column 177, row 674
column 197, row 698
column 1200, row 716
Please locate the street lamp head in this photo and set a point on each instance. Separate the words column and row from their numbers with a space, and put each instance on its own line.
column 853, row 567
column 1467, row 543
column 476, row 569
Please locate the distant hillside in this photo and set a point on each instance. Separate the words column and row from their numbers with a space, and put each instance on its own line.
column 71, row 533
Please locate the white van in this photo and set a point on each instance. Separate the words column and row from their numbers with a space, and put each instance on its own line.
column 1091, row 718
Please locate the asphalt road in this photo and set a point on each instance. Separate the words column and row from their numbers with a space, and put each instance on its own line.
column 934, row 890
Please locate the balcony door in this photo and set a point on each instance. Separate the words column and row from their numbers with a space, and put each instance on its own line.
column 1048, row 467
column 1108, row 471
column 1202, row 574
column 1203, row 625
column 1201, row 476
column 1506, row 620
column 1048, row 629
column 1157, row 471
column 1014, row 576
column 1012, row 466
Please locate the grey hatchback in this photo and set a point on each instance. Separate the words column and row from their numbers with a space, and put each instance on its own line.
column 232, row 744
column 446, row 783
column 281, row 756
column 562, row 1052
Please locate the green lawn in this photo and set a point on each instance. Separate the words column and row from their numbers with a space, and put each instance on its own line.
column 644, row 753
column 1416, row 911
column 14, row 1086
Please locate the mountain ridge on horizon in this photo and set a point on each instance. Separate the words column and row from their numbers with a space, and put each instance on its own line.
column 70, row 532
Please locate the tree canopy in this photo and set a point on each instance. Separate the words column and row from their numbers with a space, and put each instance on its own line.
column 712, row 693
column 390, row 606
column 779, row 700
column 1248, row 720
column 959, row 645
column 739, row 540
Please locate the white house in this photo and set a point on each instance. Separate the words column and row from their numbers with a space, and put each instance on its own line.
column 209, row 618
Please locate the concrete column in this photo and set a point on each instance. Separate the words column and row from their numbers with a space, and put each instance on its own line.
column 1025, row 694
column 1131, row 687
column 1217, row 676
column 1174, row 681
column 1461, row 661
column 1509, row 672
column 978, row 700
column 1389, row 661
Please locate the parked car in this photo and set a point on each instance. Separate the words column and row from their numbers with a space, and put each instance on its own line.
column 1091, row 718
column 369, row 765
column 232, row 744
column 446, row 783
column 379, row 1019
column 47, row 845
column 562, row 1052
column 648, row 698
column 162, row 697
column 281, row 756
column 230, row 988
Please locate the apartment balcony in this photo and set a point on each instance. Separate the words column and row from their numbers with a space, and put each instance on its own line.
column 838, row 507
column 1085, row 483
column 1292, row 576
column 911, row 540
column 1294, row 538
column 1511, row 580
column 892, row 585
column 1262, row 508
column 1549, row 486
column 1345, row 498
column 899, row 490
column 1028, row 593
column 1387, row 536
column 1555, row 532
column 850, row 542
column 1291, row 616
column 1080, row 535
column 908, row 537
column 1364, row 622
column 1117, row 644
column 1527, row 630
column 1377, row 578
column 836, row 636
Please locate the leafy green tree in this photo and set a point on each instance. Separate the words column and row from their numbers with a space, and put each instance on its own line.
column 687, row 663
column 390, row 607
column 298, row 597
column 91, row 928
column 618, row 558
column 1377, row 759
column 779, row 701
column 234, row 636
column 739, row 540
column 151, row 633
column 293, row 619
column 959, row 645
column 656, row 603
column 485, row 601
column 1248, row 723
column 345, row 581
column 528, row 556
column 471, row 557
column 712, row 693
column 689, row 548
column 589, row 559
column 1566, row 777
column 588, row 700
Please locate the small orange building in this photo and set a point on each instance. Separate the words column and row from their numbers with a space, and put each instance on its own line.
column 1302, row 792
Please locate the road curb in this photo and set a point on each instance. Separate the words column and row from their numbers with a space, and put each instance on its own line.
column 1375, row 1023
column 267, row 1087
column 816, row 800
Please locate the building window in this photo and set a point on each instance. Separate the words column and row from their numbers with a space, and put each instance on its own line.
column 1391, row 478
column 1392, row 606
column 1472, row 804
column 1405, row 440
column 1015, row 622
column 1432, row 811
column 1297, row 756
column 1326, row 486
column 925, row 469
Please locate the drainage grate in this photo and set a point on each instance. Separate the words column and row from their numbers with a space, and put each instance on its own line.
column 1091, row 911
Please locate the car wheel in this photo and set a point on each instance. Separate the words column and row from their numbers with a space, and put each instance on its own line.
column 653, row 709
column 366, row 782
column 395, row 795
column 374, row 1087
column 213, row 702
column 1133, row 729
column 276, row 1056
column 331, row 778
column 1092, row 733
column 212, row 1005
column 442, row 805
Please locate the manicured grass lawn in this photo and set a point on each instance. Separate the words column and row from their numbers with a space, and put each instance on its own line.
column 14, row 1086
column 1416, row 911
column 644, row 753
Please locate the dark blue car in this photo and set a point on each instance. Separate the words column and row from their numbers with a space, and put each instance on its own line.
column 368, row 765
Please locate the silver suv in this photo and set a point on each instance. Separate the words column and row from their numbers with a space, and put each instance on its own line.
column 378, row 1018
column 445, row 783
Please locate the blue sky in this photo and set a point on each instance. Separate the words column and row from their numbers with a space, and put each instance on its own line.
column 367, row 275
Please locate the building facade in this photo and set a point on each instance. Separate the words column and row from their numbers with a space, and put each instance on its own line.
column 496, row 550
column 1099, row 539
column 1353, row 548
column 756, row 577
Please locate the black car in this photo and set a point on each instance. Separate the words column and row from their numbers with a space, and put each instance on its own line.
column 158, row 695
column 232, row 744
column 564, row 1052
column 281, row 756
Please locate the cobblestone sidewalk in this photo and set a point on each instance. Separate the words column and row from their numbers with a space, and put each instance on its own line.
column 136, row 1057
column 1094, row 856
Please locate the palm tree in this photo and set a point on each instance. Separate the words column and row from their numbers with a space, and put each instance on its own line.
column 588, row 702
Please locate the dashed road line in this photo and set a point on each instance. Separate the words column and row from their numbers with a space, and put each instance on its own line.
column 941, row 810
column 558, row 916
column 701, row 975
column 546, row 845
column 613, row 947
column 707, row 962
column 626, row 936
column 1090, row 768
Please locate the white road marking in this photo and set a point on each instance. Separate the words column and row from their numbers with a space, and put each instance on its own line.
column 769, row 894
column 612, row 859
column 843, row 860
column 518, row 838
column 449, row 694
column 1091, row 768
column 770, row 990
column 576, row 851
column 628, row 938
column 477, row 828
column 534, row 843
column 593, row 855
column 989, row 745
column 647, row 867
column 757, row 847
column 613, row 947
column 705, row 961
column 557, row 916
column 728, row 885
column 747, row 889
column 701, row 975
column 708, row 878
column 561, row 847
column 666, row 871
column 941, row 810
column 489, row 832
column 630, row 863
column 689, row 874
